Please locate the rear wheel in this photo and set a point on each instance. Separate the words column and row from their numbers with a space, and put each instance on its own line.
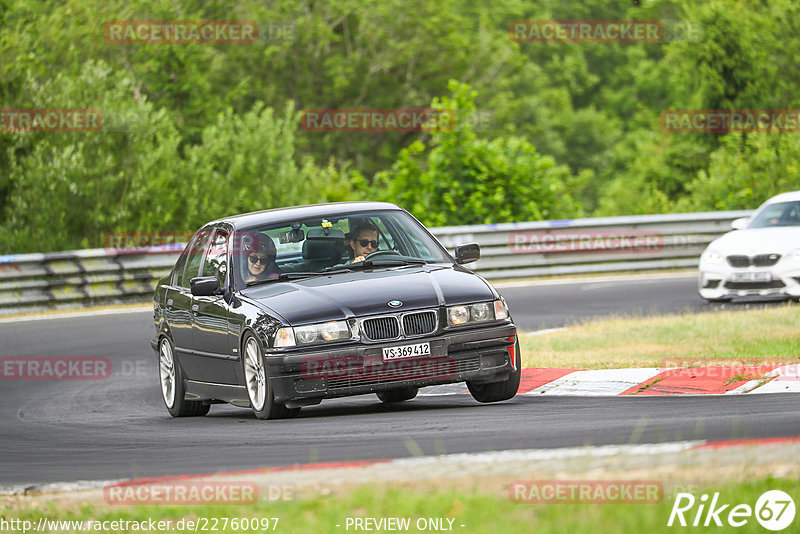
column 397, row 395
column 172, row 387
column 257, row 383
column 499, row 391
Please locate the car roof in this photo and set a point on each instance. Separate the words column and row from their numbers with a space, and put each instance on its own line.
column 789, row 196
column 312, row 211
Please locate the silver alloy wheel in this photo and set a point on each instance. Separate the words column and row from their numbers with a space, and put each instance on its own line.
column 166, row 370
column 254, row 374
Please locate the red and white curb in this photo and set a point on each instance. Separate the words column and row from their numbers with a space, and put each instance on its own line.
column 714, row 380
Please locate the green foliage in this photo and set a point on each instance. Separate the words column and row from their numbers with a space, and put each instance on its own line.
column 464, row 179
column 745, row 171
column 201, row 131
column 69, row 188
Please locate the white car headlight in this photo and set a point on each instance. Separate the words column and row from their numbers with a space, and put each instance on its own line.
column 458, row 315
column 476, row 313
column 713, row 257
column 313, row 333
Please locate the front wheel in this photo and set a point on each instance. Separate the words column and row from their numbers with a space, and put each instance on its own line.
column 499, row 391
column 257, row 383
column 172, row 387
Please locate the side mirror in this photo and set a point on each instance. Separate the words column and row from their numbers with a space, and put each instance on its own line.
column 205, row 286
column 467, row 253
column 741, row 223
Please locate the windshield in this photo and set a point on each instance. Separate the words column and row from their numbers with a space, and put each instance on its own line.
column 777, row 214
column 336, row 243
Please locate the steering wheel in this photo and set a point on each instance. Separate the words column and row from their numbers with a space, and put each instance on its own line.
column 380, row 254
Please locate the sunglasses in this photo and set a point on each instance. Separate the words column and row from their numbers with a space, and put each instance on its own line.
column 258, row 259
column 365, row 242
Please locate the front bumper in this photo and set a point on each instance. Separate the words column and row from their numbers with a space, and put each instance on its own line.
column 480, row 354
column 717, row 281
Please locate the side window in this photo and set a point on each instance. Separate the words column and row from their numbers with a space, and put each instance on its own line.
column 194, row 255
column 216, row 263
column 386, row 237
column 177, row 272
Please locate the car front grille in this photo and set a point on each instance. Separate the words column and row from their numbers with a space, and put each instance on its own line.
column 774, row 284
column 765, row 260
column 443, row 369
column 381, row 328
column 388, row 327
column 761, row 260
column 419, row 324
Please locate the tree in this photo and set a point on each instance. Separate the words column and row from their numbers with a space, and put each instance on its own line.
column 463, row 179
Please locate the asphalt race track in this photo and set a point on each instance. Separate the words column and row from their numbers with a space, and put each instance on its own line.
column 65, row 431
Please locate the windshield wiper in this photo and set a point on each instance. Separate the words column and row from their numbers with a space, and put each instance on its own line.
column 383, row 262
column 284, row 276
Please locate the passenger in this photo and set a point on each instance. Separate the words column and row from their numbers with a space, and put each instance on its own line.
column 258, row 253
column 363, row 241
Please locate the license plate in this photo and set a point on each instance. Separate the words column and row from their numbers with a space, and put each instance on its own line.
column 406, row 351
column 757, row 276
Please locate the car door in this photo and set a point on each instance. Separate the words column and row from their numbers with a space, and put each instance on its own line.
column 179, row 306
column 210, row 315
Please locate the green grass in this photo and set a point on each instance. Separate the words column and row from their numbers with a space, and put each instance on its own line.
column 722, row 337
column 478, row 512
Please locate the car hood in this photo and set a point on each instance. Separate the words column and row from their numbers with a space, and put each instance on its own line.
column 361, row 293
column 751, row 242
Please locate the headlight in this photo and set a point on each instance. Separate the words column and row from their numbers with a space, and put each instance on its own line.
column 713, row 257
column 458, row 315
column 313, row 333
column 476, row 313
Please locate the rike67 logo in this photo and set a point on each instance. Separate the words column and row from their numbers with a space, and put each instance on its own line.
column 774, row 510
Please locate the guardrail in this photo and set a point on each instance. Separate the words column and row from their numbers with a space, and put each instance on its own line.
column 32, row 282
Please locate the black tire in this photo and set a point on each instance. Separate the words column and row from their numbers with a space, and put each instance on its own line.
column 397, row 395
column 499, row 391
column 180, row 407
column 269, row 409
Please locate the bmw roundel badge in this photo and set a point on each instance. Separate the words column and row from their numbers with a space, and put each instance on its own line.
column 395, row 303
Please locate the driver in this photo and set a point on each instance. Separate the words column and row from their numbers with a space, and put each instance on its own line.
column 363, row 241
column 258, row 253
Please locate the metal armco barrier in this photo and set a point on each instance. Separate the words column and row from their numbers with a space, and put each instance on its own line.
column 31, row 282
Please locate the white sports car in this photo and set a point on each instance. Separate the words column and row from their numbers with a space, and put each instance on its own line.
column 760, row 257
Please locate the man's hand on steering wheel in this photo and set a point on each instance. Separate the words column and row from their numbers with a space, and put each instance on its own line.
column 376, row 254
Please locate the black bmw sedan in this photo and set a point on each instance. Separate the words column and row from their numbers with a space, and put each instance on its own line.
column 279, row 309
